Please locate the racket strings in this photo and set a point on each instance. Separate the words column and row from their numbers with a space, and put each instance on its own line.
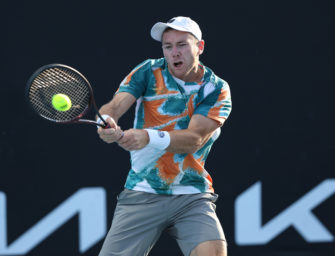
column 57, row 80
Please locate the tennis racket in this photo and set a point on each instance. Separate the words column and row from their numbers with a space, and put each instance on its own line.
column 53, row 79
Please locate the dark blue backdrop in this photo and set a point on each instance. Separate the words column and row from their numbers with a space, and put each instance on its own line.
column 278, row 57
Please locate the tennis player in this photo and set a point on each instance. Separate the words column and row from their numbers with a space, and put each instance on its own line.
column 180, row 106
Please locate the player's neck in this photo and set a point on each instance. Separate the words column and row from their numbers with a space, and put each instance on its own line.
column 194, row 75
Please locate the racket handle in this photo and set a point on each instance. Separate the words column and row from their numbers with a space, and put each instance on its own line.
column 101, row 121
column 107, row 126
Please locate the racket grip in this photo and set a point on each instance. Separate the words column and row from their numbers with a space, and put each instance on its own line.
column 102, row 121
column 107, row 126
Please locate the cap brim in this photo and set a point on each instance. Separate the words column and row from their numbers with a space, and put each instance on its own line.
column 158, row 29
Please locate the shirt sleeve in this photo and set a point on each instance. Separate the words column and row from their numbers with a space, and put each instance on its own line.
column 216, row 104
column 136, row 81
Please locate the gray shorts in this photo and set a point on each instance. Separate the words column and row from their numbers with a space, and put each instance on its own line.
column 140, row 218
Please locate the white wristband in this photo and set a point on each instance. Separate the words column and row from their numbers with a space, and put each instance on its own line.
column 158, row 139
column 99, row 121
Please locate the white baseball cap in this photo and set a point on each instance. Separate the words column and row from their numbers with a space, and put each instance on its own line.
column 180, row 23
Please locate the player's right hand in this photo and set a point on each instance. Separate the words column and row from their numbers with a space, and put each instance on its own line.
column 111, row 134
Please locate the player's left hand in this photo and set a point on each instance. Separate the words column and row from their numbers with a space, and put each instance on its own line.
column 134, row 139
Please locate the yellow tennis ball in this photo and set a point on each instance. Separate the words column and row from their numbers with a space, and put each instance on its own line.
column 61, row 102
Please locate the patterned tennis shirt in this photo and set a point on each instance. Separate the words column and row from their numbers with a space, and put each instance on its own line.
column 166, row 103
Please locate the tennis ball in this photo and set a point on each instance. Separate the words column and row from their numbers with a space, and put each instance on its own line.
column 61, row 102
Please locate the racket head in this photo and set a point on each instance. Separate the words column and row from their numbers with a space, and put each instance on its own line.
column 53, row 79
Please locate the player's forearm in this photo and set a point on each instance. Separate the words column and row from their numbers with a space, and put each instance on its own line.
column 112, row 110
column 185, row 142
column 193, row 138
column 118, row 105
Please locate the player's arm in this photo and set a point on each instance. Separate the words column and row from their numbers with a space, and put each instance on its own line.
column 208, row 116
column 190, row 140
column 119, row 105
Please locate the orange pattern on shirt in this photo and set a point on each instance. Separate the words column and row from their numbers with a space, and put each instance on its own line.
column 210, row 182
column 214, row 113
column 169, row 127
column 168, row 169
column 195, row 164
column 153, row 118
column 160, row 84
column 128, row 78
column 190, row 106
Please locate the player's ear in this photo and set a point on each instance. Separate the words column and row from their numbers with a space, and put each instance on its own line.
column 201, row 46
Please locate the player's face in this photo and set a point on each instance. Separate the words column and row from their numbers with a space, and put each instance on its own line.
column 181, row 51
